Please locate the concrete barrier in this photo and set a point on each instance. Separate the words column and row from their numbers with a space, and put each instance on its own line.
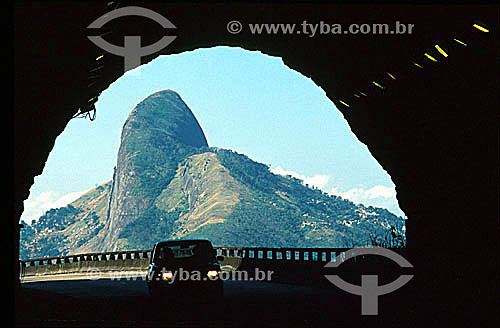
column 288, row 264
column 86, row 263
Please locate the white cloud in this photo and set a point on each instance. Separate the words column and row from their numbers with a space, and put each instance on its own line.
column 360, row 194
column 377, row 196
column 318, row 180
column 36, row 206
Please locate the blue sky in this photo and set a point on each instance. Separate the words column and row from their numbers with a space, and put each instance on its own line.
column 245, row 101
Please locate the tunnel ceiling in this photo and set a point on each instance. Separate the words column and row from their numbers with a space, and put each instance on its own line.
column 434, row 129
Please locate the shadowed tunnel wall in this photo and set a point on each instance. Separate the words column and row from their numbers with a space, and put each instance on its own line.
column 434, row 129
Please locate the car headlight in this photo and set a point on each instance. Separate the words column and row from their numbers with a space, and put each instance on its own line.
column 212, row 273
column 167, row 275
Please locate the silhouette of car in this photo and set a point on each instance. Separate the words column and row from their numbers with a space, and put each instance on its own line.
column 184, row 267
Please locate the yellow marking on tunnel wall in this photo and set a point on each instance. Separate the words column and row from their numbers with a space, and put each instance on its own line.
column 482, row 29
column 441, row 51
column 462, row 43
column 430, row 57
column 343, row 103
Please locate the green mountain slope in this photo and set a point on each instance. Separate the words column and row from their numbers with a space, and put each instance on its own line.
column 67, row 230
column 232, row 200
column 169, row 184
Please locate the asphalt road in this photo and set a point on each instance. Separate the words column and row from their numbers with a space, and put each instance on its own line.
column 125, row 303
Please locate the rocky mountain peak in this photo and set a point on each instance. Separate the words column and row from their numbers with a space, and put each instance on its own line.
column 165, row 113
column 159, row 132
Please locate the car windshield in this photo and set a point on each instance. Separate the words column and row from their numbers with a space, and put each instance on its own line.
column 200, row 251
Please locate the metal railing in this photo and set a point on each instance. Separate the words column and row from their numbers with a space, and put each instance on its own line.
column 284, row 254
column 106, row 256
column 139, row 259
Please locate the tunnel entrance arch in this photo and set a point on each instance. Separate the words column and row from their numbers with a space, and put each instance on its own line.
column 245, row 101
column 425, row 134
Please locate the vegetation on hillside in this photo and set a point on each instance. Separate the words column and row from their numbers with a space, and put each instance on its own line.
column 273, row 211
column 296, row 215
column 169, row 184
column 45, row 237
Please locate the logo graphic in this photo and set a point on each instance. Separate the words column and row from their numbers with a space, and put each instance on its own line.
column 369, row 289
column 132, row 50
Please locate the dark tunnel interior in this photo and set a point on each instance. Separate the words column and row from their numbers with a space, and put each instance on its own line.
column 434, row 128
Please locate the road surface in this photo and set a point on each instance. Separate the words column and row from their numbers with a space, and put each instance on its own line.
column 125, row 303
